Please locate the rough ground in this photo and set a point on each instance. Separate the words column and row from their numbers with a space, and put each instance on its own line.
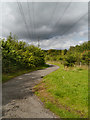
column 19, row 100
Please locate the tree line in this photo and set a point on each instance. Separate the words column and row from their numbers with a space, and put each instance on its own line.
column 18, row 55
column 78, row 54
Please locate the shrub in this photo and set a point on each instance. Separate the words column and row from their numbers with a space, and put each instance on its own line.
column 18, row 55
column 70, row 60
column 85, row 57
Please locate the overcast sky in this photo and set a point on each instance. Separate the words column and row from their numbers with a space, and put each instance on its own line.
column 58, row 25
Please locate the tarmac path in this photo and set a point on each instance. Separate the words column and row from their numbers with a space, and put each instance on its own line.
column 19, row 100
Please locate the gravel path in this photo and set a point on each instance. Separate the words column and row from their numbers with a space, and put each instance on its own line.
column 19, row 100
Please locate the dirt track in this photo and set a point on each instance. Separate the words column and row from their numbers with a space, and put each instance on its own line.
column 19, row 100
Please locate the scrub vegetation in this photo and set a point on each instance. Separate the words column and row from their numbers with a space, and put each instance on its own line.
column 19, row 57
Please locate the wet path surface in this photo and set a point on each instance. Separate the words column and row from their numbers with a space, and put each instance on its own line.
column 19, row 100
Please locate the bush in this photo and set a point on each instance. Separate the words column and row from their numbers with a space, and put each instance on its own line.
column 18, row 55
column 69, row 60
column 61, row 58
column 85, row 58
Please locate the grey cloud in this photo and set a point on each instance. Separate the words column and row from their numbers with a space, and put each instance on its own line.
column 41, row 19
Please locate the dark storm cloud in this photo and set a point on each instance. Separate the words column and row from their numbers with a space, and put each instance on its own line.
column 44, row 21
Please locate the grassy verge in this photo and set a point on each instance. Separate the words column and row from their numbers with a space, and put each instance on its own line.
column 8, row 76
column 65, row 92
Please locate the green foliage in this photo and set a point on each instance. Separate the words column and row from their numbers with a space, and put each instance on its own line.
column 70, row 60
column 80, row 48
column 19, row 55
column 65, row 51
column 60, row 58
column 78, row 55
column 85, row 57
